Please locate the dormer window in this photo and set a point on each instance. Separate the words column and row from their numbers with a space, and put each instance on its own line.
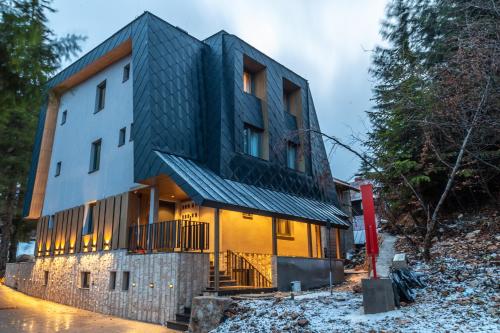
column 247, row 82
column 291, row 155
column 252, row 141
column 64, row 116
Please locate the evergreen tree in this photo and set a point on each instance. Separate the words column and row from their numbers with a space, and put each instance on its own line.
column 434, row 140
column 29, row 54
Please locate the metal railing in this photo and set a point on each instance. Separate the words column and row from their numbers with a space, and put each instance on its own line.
column 169, row 236
column 245, row 274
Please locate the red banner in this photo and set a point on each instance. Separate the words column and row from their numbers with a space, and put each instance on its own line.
column 369, row 217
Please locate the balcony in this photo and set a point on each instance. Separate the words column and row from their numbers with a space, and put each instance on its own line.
column 169, row 236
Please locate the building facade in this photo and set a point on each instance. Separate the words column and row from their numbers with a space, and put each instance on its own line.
column 167, row 166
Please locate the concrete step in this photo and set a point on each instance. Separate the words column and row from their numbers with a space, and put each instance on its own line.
column 182, row 317
column 178, row 326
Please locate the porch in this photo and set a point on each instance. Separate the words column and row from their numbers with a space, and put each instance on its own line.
column 256, row 238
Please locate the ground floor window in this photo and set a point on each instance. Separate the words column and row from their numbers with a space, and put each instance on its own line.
column 45, row 278
column 125, row 281
column 112, row 280
column 284, row 228
column 85, row 280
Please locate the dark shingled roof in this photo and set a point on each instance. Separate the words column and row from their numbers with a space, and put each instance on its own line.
column 208, row 189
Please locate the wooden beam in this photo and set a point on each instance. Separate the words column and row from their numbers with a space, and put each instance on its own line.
column 216, row 249
column 309, row 241
column 275, row 239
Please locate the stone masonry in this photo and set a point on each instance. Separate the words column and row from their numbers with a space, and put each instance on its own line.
column 161, row 284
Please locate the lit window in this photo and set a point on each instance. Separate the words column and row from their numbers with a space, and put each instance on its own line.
column 58, row 169
column 284, row 228
column 126, row 72
column 125, row 281
column 101, row 96
column 121, row 138
column 247, row 82
column 64, row 116
column 291, row 155
column 95, row 156
column 252, row 141
column 88, row 227
column 85, row 280
column 112, row 280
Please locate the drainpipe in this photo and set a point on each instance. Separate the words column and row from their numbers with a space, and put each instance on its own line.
column 216, row 250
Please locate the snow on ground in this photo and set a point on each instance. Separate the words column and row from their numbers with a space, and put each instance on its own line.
column 460, row 296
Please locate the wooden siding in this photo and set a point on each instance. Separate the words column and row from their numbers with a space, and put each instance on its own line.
column 65, row 236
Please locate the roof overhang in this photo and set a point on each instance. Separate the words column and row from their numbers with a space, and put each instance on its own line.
column 206, row 188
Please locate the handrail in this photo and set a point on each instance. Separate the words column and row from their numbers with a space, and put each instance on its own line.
column 169, row 236
column 244, row 272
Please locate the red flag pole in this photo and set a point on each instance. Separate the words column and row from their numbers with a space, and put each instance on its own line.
column 370, row 227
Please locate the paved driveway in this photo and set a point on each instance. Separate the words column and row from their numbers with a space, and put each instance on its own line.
column 22, row 313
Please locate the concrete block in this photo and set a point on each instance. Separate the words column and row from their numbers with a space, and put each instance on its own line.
column 378, row 295
column 399, row 261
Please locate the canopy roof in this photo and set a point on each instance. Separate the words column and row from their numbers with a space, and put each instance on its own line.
column 208, row 189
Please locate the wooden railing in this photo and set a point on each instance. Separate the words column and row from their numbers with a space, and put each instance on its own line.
column 245, row 274
column 169, row 236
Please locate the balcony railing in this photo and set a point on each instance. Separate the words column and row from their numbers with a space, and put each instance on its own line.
column 169, row 236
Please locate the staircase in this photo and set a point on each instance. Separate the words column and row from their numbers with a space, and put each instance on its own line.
column 181, row 322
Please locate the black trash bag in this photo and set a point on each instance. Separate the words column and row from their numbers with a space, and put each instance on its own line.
column 403, row 282
column 411, row 279
column 402, row 289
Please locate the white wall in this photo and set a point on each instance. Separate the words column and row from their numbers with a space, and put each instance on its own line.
column 72, row 142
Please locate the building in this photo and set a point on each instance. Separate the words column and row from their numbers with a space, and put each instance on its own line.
column 165, row 167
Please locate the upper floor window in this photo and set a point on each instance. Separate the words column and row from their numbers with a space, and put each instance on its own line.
column 58, row 169
column 100, row 96
column 88, row 227
column 247, row 82
column 121, row 136
column 252, row 141
column 95, row 156
column 126, row 72
column 291, row 97
column 291, row 155
column 64, row 116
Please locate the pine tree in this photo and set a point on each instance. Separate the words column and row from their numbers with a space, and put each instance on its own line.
column 29, row 54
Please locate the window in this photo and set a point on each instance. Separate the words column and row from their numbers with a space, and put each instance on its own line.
column 247, row 82
column 95, row 156
column 125, row 281
column 286, row 102
column 112, row 280
column 121, row 137
column 51, row 222
column 46, row 278
column 64, row 116
column 252, row 141
column 126, row 72
column 88, row 227
column 291, row 155
column 284, row 228
column 101, row 96
column 85, row 280
column 58, row 169
column 131, row 131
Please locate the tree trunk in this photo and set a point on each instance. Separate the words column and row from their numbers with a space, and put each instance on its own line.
column 8, row 227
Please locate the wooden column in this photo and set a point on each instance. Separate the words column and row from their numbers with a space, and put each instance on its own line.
column 337, row 242
column 309, row 241
column 216, row 250
column 274, row 239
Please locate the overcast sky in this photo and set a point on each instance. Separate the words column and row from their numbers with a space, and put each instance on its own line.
column 327, row 42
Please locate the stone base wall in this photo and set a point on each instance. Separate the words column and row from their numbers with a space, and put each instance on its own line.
column 161, row 284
